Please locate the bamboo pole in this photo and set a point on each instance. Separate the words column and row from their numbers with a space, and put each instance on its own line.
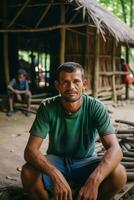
column 50, row 28
column 5, row 45
column 5, row 54
column 127, row 61
column 86, row 55
column 113, row 76
column 113, row 73
column 44, row 14
column 73, row 18
column 62, row 35
column 96, row 66
column 18, row 13
column 38, row 4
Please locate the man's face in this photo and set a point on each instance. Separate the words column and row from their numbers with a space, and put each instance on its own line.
column 70, row 85
column 21, row 77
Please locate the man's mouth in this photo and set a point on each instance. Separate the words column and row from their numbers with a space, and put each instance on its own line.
column 70, row 93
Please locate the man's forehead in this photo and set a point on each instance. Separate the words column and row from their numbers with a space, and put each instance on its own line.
column 73, row 73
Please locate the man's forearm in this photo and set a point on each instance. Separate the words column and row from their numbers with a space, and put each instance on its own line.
column 110, row 160
column 36, row 159
column 22, row 91
column 11, row 89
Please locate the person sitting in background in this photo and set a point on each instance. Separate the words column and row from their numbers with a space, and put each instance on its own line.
column 127, row 78
column 18, row 89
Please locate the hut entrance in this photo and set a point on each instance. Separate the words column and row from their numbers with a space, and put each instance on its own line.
column 37, row 65
column 35, row 56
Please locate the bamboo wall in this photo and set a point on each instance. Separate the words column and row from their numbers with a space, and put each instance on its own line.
column 82, row 49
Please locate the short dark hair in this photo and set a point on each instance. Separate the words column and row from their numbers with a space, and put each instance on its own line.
column 69, row 67
column 21, row 71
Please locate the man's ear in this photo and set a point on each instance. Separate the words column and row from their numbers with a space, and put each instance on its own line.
column 56, row 83
column 85, row 83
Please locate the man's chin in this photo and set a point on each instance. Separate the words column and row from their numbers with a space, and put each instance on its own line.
column 71, row 99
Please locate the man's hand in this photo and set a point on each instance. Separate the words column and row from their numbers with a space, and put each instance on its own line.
column 61, row 188
column 18, row 97
column 89, row 191
column 17, row 91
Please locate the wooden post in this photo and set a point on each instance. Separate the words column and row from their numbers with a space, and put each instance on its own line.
column 5, row 55
column 127, row 54
column 113, row 76
column 86, row 50
column 127, row 61
column 5, row 46
column 96, row 66
column 62, row 36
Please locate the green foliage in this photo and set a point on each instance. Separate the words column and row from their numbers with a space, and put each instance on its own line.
column 121, row 8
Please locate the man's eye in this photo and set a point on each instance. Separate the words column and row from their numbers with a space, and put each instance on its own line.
column 77, row 81
column 65, row 82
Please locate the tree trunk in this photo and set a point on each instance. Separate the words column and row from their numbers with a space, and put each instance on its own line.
column 123, row 10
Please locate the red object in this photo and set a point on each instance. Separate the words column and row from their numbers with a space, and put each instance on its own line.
column 127, row 78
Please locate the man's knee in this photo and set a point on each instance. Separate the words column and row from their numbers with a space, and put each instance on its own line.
column 29, row 176
column 119, row 177
column 28, row 94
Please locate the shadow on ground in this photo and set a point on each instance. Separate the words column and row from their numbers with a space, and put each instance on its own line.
column 12, row 193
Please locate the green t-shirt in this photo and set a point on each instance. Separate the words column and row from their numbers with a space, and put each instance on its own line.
column 71, row 135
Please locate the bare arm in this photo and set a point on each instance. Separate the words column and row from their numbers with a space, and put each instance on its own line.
column 110, row 160
column 35, row 158
column 130, row 69
column 9, row 87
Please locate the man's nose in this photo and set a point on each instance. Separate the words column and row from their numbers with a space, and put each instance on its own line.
column 71, row 85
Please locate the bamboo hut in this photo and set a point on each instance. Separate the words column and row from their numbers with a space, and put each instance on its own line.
column 55, row 31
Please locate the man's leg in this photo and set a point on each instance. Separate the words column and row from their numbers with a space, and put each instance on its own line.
column 27, row 98
column 10, row 101
column 10, row 104
column 37, row 184
column 33, row 184
column 113, row 183
column 82, row 169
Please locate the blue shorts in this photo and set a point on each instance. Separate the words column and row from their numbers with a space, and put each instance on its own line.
column 75, row 171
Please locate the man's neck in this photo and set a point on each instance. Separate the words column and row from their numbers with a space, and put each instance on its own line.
column 72, row 107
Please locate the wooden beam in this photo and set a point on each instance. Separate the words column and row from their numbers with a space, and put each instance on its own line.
column 18, row 14
column 96, row 66
column 50, row 28
column 77, row 32
column 125, row 122
column 62, row 36
column 44, row 14
column 113, row 76
column 39, row 4
column 74, row 16
column 112, row 73
column 7, row 21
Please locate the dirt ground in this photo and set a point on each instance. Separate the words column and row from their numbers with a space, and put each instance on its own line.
column 14, row 132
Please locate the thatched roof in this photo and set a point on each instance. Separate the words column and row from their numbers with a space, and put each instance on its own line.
column 105, row 20
column 40, row 16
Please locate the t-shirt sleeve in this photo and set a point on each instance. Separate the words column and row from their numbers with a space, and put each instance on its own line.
column 102, row 120
column 12, row 82
column 41, row 124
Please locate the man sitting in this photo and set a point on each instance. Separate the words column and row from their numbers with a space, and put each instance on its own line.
column 18, row 89
column 72, row 121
